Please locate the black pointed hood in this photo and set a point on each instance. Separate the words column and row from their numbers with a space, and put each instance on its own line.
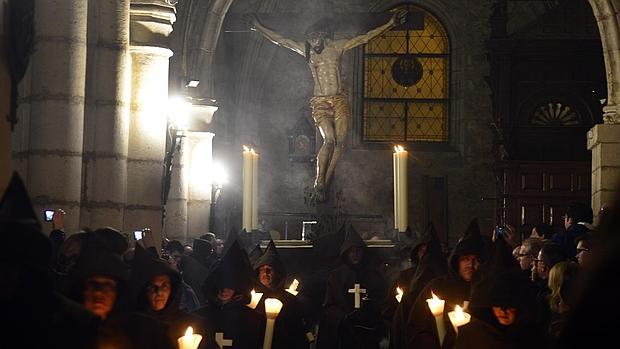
column 145, row 266
column 427, row 236
column 500, row 258
column 271, row 257
column 233, row 271
column 433, row 264
column 351, row 239
column 255, row 254
column 202, row 250
column 471, row 242
column 20, row 229
column 15, row 205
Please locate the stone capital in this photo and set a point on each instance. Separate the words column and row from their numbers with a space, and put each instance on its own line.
column 610, row 114
column 151, row 22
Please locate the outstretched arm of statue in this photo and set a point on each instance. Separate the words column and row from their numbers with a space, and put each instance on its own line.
column 398, row 18
column 274, row 37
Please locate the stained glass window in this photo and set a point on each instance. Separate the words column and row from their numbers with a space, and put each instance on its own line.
column 406, row 79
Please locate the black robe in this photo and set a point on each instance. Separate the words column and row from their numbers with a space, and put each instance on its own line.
column 343, row 326
column 289, row 331
column 244, row 326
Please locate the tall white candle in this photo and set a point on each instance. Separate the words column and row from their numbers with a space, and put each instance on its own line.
column 436, row 306
column 395, row 170
column 250, row 189
column 400, row 188
column 254, row 190
column 272, row 309
column 189, row 340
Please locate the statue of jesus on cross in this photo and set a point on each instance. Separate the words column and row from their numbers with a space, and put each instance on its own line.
column 330, row 104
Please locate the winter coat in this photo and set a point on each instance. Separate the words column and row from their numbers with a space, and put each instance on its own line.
column 567, row 238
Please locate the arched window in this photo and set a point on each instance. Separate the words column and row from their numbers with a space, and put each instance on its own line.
column 406, row 82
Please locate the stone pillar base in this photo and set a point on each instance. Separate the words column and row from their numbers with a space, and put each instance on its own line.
column 604, row 142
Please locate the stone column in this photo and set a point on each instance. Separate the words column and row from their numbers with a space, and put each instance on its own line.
column 151, row 24
column 175, row 226
column 106, row 161
column 604, row 139
column 58, row 69
column 5, row 103
column 199, row 205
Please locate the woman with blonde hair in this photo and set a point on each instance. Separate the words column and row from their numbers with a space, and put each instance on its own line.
column 561, row 282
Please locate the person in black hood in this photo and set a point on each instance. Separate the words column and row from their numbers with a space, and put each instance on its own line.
column 196, row 267
column 100, row 283
column 432, row 264
column 157, row 288
column 35, row 316
column 503, row 310
column 454, row 289
column 351, row 315
column 289, row 327
column 226, row 316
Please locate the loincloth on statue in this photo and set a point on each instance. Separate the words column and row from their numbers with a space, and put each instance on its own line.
column 331, row 107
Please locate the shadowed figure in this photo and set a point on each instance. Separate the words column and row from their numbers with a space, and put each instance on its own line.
column 330, row 105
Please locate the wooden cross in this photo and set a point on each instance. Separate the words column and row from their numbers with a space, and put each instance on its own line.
column 357, row 290
column 221, row 342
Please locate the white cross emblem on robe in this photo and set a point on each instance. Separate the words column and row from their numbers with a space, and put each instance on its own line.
column 357, row 291
column 221, row 342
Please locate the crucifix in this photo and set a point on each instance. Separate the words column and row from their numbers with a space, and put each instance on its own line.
column 221, row 342
column 357, row 291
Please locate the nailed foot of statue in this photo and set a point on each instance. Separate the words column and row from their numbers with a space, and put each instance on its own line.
column 315, row 195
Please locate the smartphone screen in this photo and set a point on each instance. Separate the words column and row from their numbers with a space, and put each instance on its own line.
column 48, row 215
column 137, row 234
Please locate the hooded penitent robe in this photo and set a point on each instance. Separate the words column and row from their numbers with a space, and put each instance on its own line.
column 289, row 331
column 197, row 265
column 341, row 325
column 432, row 265
column 123, row 328
column 233, row 320
column 34, row 315
column 506, row 289
column 421, row 327
column 144, row 268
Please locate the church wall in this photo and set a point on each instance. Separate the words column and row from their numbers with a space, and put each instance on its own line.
column 5, row 87
column 363, row 181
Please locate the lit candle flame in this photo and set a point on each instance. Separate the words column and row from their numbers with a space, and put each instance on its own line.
column 256, row 296
column 189, row 332
column 399, row 148
column 458, row 317
column 245, row 148
column 293, row 288
column 399, row 294
column 272, row 307
column 435, row 304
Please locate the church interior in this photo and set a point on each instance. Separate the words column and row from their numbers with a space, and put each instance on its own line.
column 307, row 122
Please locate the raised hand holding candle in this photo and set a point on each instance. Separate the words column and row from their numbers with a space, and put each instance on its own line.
column 256, row 296
column 436, row 305
column 293, row 288
column 189, row 340
column 272, row 309
column 399, row 294
column 458, row 317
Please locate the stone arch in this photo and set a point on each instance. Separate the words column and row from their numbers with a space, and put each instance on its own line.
column 608, row 21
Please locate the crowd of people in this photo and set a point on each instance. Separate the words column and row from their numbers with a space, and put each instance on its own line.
column 101, row 289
